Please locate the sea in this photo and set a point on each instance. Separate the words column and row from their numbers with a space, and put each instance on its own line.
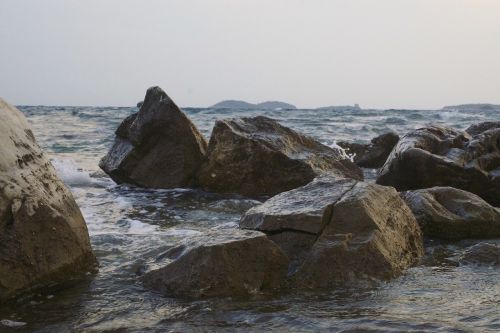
column 131, row 227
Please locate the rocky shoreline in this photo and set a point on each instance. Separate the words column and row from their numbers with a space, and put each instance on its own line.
column 321, row 226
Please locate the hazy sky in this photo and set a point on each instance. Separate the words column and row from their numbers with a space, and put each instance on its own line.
column 378, row 53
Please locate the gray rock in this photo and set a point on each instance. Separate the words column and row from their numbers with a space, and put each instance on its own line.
column 476, row 129
column 226, row 263
column 339, row 230
column 439, row 156
column 453, row 214
column 158, row 147
column 44, row 238
column 258, row 157
column 372, row 155
column 482, row 254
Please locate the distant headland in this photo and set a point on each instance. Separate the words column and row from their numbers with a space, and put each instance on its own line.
column 473, row 107
column 268, row 105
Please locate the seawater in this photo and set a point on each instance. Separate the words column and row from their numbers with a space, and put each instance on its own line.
column 131, row 227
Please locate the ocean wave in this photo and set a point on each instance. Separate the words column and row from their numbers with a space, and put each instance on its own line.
column 71, row 174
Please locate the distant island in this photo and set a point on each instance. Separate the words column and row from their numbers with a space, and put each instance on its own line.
column 269, row 105
column 354, row 107
column 473, row 107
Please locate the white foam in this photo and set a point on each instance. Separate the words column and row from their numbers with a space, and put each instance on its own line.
column 70, row 173
column 139, row 228
column 11, row 323
column 342, row 151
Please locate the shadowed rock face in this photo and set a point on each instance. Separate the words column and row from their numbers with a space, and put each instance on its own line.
column 372, row 155
column 339, row 231
column 233, row 262
column 482, row 254
column 44, row 238
column 439, row 156
column 449, row 213
column 158, row 147
column 259, row 157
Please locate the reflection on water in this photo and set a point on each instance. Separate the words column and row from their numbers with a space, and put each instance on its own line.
column 131, row 227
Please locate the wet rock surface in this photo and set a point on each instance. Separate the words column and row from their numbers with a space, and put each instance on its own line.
column 453, row 214
column 157, row 147
column 44, row 238
column 374, row 154
column 440, row 156
column 482, row 254
column 226, row 263
column 259, row 157
column 343, row 230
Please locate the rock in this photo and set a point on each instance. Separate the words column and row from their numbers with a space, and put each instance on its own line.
column 139, row 104
column 44, row 239
column 482, row 254
column 157, row 147
column 375, row 154
column 339, row 231
column 259, row 157
column 453, row 214
column 476, row 129
column 440, row 156
column 229, row 263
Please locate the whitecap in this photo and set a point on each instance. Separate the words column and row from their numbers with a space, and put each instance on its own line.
column 70, row 173
column 139, row 228
column 12, row 323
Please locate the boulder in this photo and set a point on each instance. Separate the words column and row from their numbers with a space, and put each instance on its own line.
column 259, row 157
column 440, row 156
column 157, row 147
column 226, row 263
column 476, row 129
column 374, row 154
column 482, row 254
column 339, row 231
column 44, row 238
column 453, row 214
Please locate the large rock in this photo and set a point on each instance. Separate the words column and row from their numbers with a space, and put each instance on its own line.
column 44, row 238
column 440, row 156
column 449, row 213
column 230, row 263
column 339, row 231
column 258, row 157
column 157, row 147
column 482, row 254
column 374, row 154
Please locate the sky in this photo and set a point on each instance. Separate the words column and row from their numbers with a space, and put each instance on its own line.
column 378, row 53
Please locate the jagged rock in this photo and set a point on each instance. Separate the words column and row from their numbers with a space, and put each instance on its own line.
column 258, row 157
column 372, row 155
column 440, row 156
column 476, row 129
column 157, row 147
column 44, row 239
column 339, row 230
column 482, row 254
column 453, row 214
column 229, row 263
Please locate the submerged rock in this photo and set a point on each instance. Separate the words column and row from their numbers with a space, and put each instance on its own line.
column 232, row 263
column 482, row 254
column 453, row 214
column 258, row 156
column 339, row 231
column 440, row 156
column 372, row 155
column 44, row 238
column 157, row 147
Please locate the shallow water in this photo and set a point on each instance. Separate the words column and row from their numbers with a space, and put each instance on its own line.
column 131, row 227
